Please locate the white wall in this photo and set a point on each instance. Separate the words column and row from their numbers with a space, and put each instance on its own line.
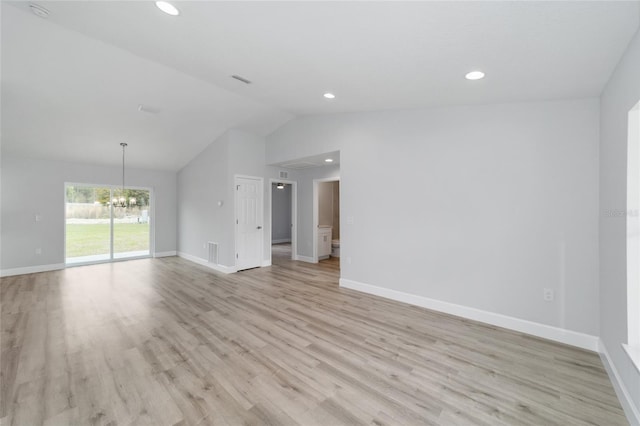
column 280, row 213
column 207, row 179
column 31, row 186
column 620, row 95
column 483, row 206
column 201, row 184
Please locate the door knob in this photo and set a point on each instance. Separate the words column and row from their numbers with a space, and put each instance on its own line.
column 258, row 227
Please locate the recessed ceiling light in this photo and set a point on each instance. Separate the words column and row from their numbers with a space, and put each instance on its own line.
column 39, row 11
column 328, row 160
column 329, row 95
column 167, row 8
column 474, row 75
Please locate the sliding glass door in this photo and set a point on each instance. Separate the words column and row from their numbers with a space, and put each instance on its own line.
column 88, row 224
column 97, row 230
column 131, row 226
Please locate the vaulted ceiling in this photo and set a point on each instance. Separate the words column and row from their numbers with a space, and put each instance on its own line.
column 72, row 84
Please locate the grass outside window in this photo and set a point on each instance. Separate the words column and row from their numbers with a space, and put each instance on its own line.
column 93, row 239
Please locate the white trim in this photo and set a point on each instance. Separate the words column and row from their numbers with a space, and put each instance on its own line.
column 31, row 269
column 220, row 268
column 98, row 262
column 630, row 409
column 266, row 263
column 581, row 340
column 633, row 352
column 284, row 240
column 305, row 259
column 165, row 254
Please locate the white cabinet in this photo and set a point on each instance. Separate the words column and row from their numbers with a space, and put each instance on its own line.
column 324, row 242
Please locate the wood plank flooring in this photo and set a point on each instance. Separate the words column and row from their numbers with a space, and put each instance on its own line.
column 168, row 342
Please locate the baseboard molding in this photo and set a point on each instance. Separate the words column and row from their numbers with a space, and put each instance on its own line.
column 630, row 409
column 31, row 269
column 165, row 254
column 220, row 268
column 266, row 263
column 305, row 259
column 573, row 338
column 286, row 240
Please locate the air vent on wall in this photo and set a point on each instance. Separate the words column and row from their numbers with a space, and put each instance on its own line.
column 242, row 79
column 284, row 175
column 213, row 252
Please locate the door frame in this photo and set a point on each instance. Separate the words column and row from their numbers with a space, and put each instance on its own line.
column 152, row 228
column 315, row 213
column 294, row 216
column 260, row 179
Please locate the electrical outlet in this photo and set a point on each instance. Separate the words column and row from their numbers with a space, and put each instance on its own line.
column 38, row 217
column 38, row 251
column 350, row 220
column 547, row 295
column 204, row 245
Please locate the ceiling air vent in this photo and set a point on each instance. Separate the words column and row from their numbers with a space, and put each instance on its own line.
column 242, row 79
column 284, row 175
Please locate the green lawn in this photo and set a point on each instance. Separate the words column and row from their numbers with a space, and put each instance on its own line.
column 92, row 239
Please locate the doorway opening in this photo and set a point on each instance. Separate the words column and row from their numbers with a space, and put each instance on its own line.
column 326, row 220
column 284, row 229
column 97, row 231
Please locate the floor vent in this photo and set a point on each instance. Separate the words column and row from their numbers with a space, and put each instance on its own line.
column 213, row 252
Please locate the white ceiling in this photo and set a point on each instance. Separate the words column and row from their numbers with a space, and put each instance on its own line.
column 68, row 96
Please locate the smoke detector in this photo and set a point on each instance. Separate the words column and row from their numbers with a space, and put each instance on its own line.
column 39, row 11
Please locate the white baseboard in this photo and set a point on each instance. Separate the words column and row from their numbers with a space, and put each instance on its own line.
column 266, row 263
column 630, row 409
column 165, row 254
column 220, row 268
column 31, row 269
column 581, row 340
column 305, row 259
column 285, row 240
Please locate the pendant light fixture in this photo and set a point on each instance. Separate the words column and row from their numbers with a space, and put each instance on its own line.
column 122, row 200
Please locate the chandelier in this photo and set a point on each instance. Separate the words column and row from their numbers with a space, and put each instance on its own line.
column 122, row 201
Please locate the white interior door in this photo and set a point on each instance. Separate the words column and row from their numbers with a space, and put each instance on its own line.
column 249, row 214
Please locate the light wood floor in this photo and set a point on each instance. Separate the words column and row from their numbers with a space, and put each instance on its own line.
column 166, row 342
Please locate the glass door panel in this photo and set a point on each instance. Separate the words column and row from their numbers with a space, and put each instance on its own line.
column 88, row 224
column 97, row 231
column 131, row 226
